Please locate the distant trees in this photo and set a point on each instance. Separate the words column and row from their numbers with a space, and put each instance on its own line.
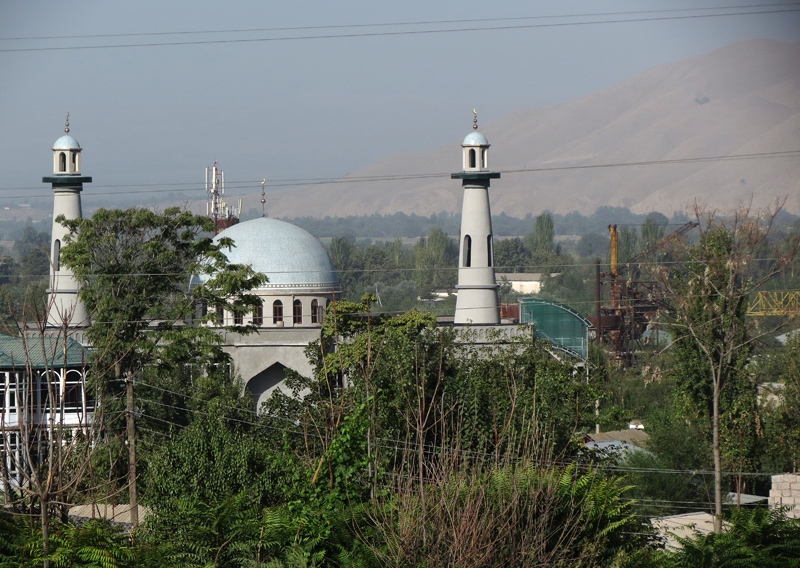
column 708, row 288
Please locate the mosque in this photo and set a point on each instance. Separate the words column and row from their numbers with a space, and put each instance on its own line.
column 302, row 280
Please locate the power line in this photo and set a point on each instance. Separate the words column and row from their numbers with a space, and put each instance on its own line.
column 293, row 182
column 403, row 33
column 387, row 24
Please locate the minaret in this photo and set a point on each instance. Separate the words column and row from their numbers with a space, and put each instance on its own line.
column 64, row 307
column 477, row 288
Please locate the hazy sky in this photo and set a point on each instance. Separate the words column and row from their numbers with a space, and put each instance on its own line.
column 320, row 107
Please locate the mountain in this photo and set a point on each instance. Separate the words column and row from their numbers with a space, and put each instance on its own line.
column 741, row 99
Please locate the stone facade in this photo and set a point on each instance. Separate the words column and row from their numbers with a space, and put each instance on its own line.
column 785, row 492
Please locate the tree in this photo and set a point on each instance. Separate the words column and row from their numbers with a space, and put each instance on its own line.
column 510, row 255
column 135, row 268
column 435, row 261
column 708, row 289
column 541, row 240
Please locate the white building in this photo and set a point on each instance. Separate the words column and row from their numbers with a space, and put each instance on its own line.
column 302, row 282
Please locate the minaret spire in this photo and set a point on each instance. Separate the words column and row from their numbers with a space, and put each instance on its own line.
column 64, row 308
column 477, row 288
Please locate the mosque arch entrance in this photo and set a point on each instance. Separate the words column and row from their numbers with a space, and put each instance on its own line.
column 264, row 383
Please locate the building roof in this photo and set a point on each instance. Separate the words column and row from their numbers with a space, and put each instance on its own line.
column 66, row 142
column 475, row 139
column 632, row 436
column 41, row 352
column 290, row 257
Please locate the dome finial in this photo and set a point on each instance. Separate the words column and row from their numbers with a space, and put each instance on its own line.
column 263, row 201
column 66, row 128
column 475, row 120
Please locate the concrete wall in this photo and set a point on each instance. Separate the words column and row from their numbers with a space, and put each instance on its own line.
column 786, row 492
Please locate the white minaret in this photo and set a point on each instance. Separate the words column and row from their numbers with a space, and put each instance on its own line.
column 64, row 307
column 477, row 288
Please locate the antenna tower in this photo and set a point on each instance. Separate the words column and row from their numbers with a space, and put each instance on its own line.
column 217, row 209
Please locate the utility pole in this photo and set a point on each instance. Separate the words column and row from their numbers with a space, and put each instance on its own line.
column 131, row 427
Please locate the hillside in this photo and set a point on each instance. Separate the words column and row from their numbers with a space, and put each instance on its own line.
column 740, row 99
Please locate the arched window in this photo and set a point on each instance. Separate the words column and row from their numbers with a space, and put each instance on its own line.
column 484, row 156
column 297, row 312
column 62, row 162
column 258, row 315
column 489, row 248
column 467, row 251
column 472, row 158
column 314, row 312
column 57, row 255
column 277, row 312
column 75, row 162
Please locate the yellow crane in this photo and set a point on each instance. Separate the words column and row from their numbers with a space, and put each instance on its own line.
column 775, row 303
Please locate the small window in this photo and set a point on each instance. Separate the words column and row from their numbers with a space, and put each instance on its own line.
column 315, row 312
column 62, row 162
column 57, row 255
column 220, row 315
column 467, row 251
column 238, row 318
column 489, row 248
column 74, row 162
column 297, row 312
column 484, row 156
column 277, row 312
column 73, row 395
column 472, row 158
column 258, row 315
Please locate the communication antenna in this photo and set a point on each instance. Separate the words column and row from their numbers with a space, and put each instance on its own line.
column 217, row 210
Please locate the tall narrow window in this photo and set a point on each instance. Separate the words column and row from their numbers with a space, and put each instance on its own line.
column 258, row 315
column 489, row 248
column 57, row 255
column 472, row 158
column 467, row 251
column 220, row 315
column 74, row 162
column 484, row 156
column 314, row 311
column 62, row 162
column 238, row 318
column 297, row 312
column 277, row 312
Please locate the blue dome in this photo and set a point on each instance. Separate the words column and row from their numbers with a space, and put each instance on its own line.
column 475, row 139
column 66, row 142
column 288, row 255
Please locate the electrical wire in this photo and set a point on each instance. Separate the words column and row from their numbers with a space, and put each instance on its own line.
column 401, row 33
column 330, row 180
column 385, row 24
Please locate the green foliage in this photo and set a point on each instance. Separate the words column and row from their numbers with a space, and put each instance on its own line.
column 760, row 538
column 511, row 255
column 213, row 458
column 93, row 544
column 134, row 267
column 435, row 262
column 511, row 515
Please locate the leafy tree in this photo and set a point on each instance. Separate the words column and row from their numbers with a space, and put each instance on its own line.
column 593, row 245
column 435, row 262
column 540, row 242
column 134, row 268
column 347, row 260
column 708, row 289
column 510, row 255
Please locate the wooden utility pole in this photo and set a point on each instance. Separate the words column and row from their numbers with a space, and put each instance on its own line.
column 131, row 427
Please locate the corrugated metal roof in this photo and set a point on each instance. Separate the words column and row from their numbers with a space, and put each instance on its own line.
column 43, row 351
